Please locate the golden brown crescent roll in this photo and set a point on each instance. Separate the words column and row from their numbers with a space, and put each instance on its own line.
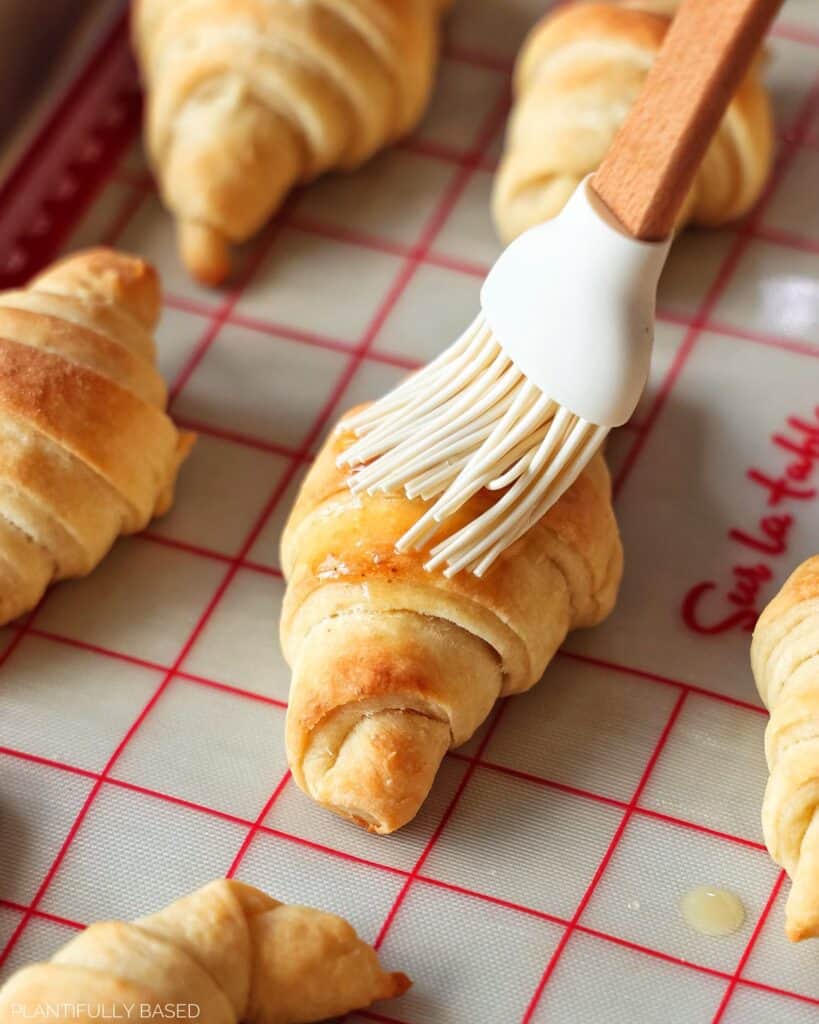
column 226, row 953
column 393, row 665
column 576, row 77
column 246, row 98
column 86, row 450
column 785, row 661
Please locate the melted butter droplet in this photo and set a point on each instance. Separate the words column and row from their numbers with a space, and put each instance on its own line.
column 712, row 911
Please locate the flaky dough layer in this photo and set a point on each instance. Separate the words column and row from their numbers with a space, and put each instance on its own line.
column 785, row 662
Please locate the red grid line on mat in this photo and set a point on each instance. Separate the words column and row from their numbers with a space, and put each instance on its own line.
column 256, row 825
column 484, row 762
column 795, row 33
column 247, row 440
column 477, row 759
column 743, row 960
column 609, row 801
column 654, row 677
column 287, row 331
column 803, row 348
column 446, row 154
column 131, row 659
column 423, row 879
column 585, row 659
column 788, row 240
column 605, row 860
column 438, row 831
column 723, row 277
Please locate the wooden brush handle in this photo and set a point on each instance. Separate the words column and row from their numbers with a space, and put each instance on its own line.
column 647, row 172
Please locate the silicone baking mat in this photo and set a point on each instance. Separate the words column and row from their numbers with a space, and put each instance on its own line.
column 142, row 709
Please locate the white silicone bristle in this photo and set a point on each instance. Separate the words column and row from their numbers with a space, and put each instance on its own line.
column 469, row 421
column 517, row 407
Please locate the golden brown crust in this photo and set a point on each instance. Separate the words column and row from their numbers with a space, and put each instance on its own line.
column 579, row 71
column 86, row 450
column 227, row 949
column 373, row 637
column 248, row 98
column 108, row 277
column 785, row 662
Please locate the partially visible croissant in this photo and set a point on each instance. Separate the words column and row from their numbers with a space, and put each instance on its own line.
column 393, row 665
column 579, row 72
column 785, row 661
column 226, row 953
column 86, row 451
column 246, row 98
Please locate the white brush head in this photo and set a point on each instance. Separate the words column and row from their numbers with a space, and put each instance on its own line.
column 521, row 402
column 571, row 301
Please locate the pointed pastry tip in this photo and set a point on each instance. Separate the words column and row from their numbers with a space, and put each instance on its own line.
column 796, row 931
column 109, row 276
column 399, row 984
column 802, row 910
column 204, row 251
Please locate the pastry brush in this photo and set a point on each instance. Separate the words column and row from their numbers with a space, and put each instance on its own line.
column 560, row 352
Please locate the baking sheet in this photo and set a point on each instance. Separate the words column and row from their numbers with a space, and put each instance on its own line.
column 141, row 710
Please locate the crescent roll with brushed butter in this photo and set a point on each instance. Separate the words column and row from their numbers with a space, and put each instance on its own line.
column 393, row 665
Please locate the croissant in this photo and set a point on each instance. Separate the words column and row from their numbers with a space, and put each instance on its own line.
column 225, row 953
column 86, row 451
column 579, row 71
column 246, row 98
column 785, row 662
column 393, row 665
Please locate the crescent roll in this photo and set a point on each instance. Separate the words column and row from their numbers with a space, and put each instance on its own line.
column 247, row 98
column 86, row 450
column 393, row 665
column 577, row 75
column 224, row 954
column 785, row 662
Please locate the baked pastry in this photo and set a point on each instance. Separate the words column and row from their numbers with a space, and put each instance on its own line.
column 393, row 665
column 577, row 75
column 228, row 950
column 86, row 450
column 247, row 98
column 785, row 661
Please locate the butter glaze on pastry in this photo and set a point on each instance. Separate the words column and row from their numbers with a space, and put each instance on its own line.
column 228, row 949
column 393, row 665
column 86, row 450
column 577, row 75
column 247, row 98
column 785, row 662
